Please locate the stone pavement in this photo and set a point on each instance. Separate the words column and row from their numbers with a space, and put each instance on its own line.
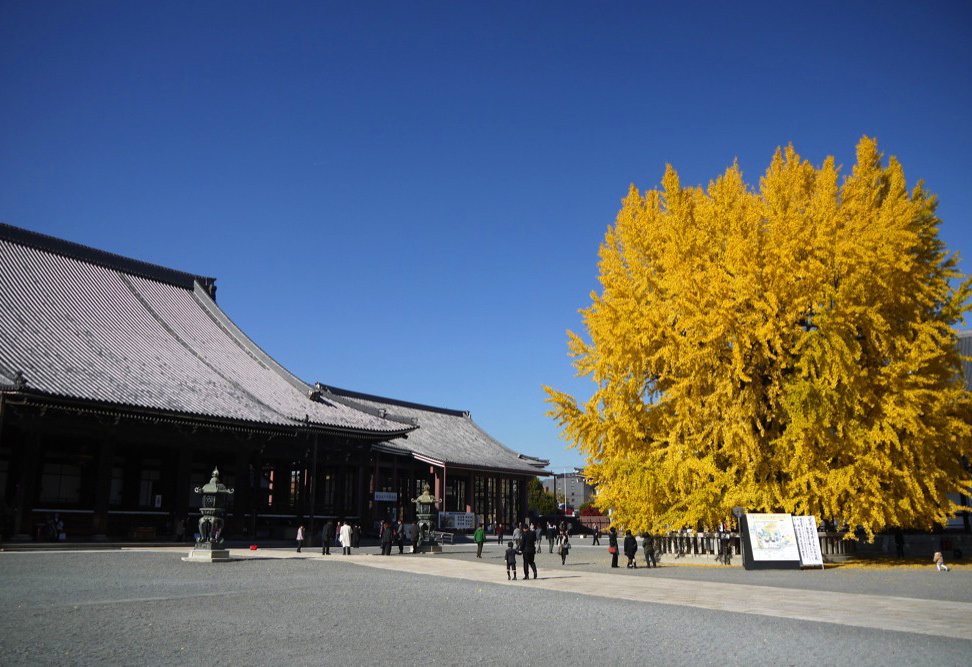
column 900, row 614
column 941, row 618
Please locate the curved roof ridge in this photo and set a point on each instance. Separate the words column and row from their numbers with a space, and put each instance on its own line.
column 108, row 260
column 523, row 457
column 189, row 348
column 320, row 389
column 250, row 346
column 246, row 343
column 392, row 401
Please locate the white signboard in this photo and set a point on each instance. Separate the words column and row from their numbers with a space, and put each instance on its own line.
column 772, row 537
column 385, row 496
column 805, row 528
column 457, row 520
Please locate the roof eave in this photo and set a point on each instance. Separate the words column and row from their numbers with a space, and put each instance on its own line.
column 139, row 412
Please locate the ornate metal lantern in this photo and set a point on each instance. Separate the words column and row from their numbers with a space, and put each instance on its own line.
column 209, row 544
column 425, row 518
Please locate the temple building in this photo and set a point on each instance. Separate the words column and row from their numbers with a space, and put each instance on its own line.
column 123, row 385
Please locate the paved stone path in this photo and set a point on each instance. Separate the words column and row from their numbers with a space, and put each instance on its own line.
column 941, row 618
column 929, row 617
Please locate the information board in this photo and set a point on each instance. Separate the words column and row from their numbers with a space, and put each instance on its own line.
column 805, row 528
column 386, row 497
column 457, row 520
column 772, row 538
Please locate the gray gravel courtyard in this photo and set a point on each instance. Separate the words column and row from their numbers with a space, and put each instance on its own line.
column 148, row 607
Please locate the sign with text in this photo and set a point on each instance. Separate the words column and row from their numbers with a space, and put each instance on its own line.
column 386, row 497
column 457, row 520
column 772, row 538
column 805, row 528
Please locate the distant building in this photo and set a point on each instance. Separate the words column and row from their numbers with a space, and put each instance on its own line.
column 570, row 488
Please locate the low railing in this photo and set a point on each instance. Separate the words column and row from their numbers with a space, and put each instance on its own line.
column 680, row 544
column 443, row 537
column 722, row 547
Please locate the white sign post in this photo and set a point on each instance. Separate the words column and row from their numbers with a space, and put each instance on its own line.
column 805, row 528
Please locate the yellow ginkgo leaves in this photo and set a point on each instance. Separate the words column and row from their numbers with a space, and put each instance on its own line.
column 787, row 349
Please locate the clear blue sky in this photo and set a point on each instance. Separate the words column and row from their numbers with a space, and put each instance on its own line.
column 407, row 198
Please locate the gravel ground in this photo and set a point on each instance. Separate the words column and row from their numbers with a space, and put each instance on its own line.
column 114, row 607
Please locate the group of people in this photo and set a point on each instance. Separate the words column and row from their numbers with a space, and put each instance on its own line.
column 345, row 535
column 631, row 548
column 348, row 536
column 524, row 543
column 526, row 537
column 396, row 534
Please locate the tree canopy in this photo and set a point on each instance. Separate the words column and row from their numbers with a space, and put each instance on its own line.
column 539, row 499
column 786, row 349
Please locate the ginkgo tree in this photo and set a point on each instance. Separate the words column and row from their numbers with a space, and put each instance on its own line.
column 789, row 348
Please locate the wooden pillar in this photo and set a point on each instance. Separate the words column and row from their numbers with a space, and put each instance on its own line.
column 313, row 494
column 180, row 502
column 362, row 494
column 254, row 484
column 281, row 486
column 469, row 492
column 26, row 492
column 132, row 478
column 398, row 506
column 242, row 493
column 102, row 489
column 445, row 490
column 438, row 484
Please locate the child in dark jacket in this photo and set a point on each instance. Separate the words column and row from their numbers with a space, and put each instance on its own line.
column 510, row 560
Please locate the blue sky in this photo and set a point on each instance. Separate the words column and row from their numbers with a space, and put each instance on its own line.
column 407, row 198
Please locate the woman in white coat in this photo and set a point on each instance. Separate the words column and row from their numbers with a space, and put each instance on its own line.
column 345, row 537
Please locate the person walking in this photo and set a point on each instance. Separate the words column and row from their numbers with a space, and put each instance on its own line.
column 551, row 536
column 510, row 561
column 386, row 538
column 300, row 537
column 630, row 549
column 400, row 536
column 345, row 538
column 499, row 533
column 518, row 537
column 649, row 546
column 613, row 546
column 479, row 537
column 529, row 548
column 564, row 549
column 597, row 535
column 356, row 536
column 940, row 561
column 326, row 538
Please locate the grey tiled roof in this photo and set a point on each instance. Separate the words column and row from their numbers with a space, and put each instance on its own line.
column 78, row 323
column 444, row 436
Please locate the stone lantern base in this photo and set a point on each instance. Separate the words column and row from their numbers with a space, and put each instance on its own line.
column 207, row 555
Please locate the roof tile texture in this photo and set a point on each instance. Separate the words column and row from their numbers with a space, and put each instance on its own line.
column 85, row 331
